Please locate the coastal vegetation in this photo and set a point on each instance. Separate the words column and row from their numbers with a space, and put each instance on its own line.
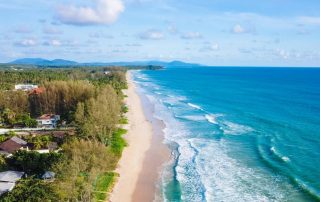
column 90, row 104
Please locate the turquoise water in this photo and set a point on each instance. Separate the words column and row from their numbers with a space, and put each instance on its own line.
column 238, row 134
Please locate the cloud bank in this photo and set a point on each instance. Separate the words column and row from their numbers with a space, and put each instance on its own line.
column 151, row 34
column 191, row 35
column 103, row 12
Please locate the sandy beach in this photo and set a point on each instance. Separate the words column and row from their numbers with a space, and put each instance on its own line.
column 142, row 160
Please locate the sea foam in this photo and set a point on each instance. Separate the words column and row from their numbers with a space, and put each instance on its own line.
column 212, row 118
column 195, row 106
column 230, row 128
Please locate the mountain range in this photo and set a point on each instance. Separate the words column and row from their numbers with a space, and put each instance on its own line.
column 62, row 62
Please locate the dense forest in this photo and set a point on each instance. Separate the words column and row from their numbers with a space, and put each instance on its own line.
column 90, row 100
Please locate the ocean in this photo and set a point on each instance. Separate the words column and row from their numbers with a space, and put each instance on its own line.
column 238, row 133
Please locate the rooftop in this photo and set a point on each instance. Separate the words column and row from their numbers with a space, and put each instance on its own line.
column 10, row 176
column 18, row 140
column 48, row 175
column 37, row 91
column 47, row 116
column 10, row 146
column 6, row 186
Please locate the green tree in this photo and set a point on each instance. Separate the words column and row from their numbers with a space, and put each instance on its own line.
column 31, row 190
column 97, row 118
column 32, row 162
column 84, row 162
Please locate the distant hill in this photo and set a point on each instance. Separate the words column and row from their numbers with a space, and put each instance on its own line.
column 180, row 63
column 44, row 62
column 62, row 62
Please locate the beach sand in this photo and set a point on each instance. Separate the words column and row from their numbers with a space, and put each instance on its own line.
column 141, row 161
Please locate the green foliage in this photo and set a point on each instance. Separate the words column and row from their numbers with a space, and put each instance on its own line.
column 124, row 109
column 3, row 164
column 15, row 101
column 25, row 120
column 6, row 136
column 32, row 162
column 3, row 138
column 103, row 185
column 63, row 90
column 86, row 98
column 98, row 117
column 39, row 141
column 30, row 190
column 117, row 143
column 61, row 97
column 123, row 120
column 11, row 118
column 84, row 162
column 8, row 116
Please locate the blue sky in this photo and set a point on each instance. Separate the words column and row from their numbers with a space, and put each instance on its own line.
column 212, row 32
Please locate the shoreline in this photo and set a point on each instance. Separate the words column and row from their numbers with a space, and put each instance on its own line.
column 141, row 162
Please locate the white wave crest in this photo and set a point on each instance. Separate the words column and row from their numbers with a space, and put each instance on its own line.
column 283, row 158
column 224, row 177
column 212, row 118
column 195, row 106
column 230, row 128
column 193, row 117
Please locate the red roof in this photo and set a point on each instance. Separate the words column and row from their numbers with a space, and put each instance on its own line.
column 46, row 116
column 37, row 91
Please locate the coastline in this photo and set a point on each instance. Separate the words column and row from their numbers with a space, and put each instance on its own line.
column 142, row 160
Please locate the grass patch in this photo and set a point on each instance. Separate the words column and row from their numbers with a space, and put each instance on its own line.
column 103, row 185
column 124, row 120
column 117, row 141
column 124, row 109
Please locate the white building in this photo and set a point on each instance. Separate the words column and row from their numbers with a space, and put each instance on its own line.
column 48, row 120
column 25, row 87
column 8, row 180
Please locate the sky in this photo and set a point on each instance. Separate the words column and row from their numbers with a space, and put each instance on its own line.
column 210, row 32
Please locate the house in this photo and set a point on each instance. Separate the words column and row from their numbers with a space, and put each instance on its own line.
column 25, row 87
column 48, row 175
column 13, row 144
column 52, row 147
column 37, row 91
column 8, row 180
column 48, row 121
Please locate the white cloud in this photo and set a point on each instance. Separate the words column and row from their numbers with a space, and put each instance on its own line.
column 51, row 30
column 99, row 35
column 191, row 35
column 152, row 34
column 22, row 30
column 104, row 12
column 238, row 29
column 283, row 53
column 309, row 20
column 133, row 45
column 26, row 43
column 242, row 29
column 53, row 42
column 172, row 29
column 295, row 55
column 210, row 47
column 214, row 46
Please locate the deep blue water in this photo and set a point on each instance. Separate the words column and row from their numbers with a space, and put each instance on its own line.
column 238, row 134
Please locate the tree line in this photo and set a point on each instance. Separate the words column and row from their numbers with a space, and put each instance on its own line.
column 89, row 100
